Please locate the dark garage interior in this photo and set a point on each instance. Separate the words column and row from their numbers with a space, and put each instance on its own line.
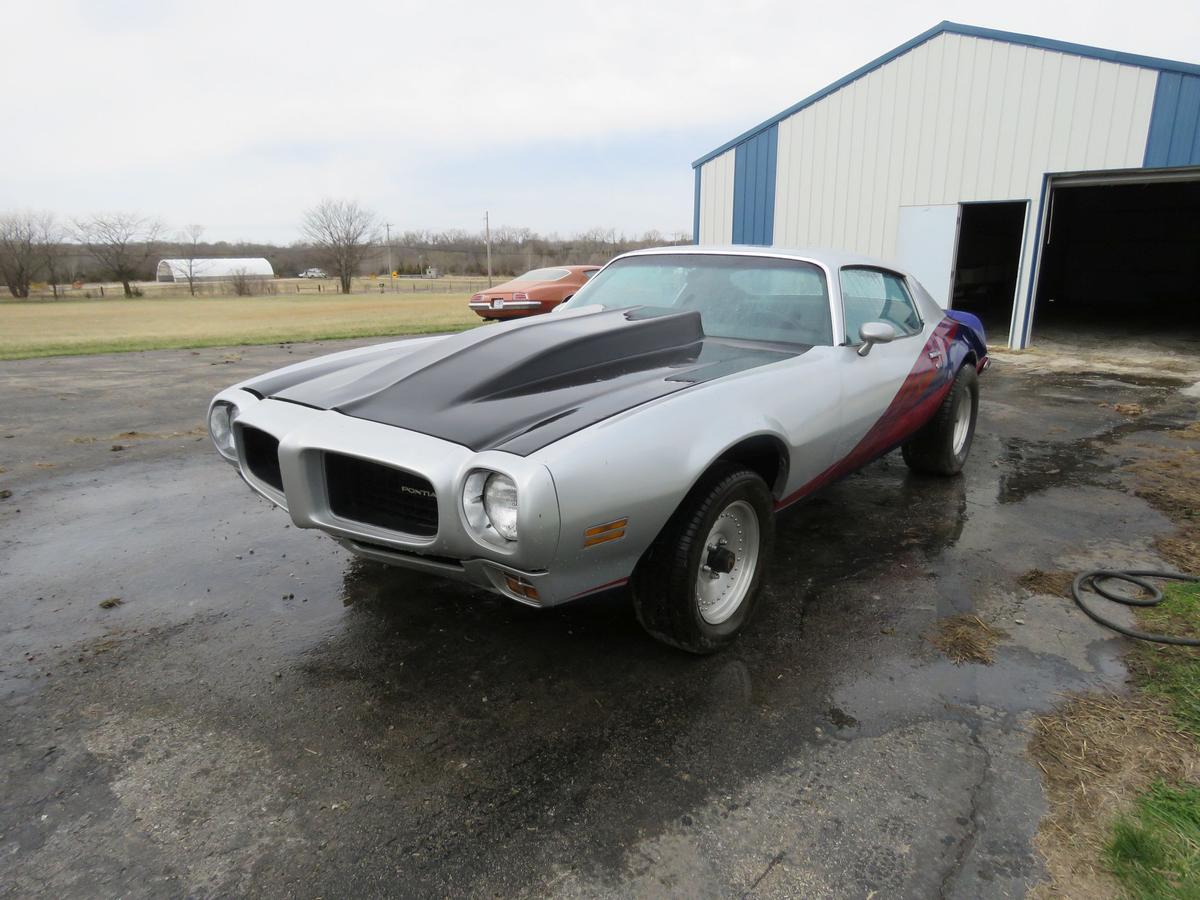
column 987, row 262
column 1122, row 259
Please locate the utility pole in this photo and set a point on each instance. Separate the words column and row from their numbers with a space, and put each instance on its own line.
column 388, row 227
column 487, row 234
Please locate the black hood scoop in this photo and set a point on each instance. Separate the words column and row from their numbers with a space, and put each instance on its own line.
column 519, row 387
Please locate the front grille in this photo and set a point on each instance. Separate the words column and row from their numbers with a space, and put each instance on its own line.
column 375, row 494
column 262, row 456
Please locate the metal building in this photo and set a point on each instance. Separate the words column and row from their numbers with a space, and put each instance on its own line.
column 1016, row 176
column 213, row 269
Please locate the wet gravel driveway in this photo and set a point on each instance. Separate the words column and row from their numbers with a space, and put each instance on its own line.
column 258, row 713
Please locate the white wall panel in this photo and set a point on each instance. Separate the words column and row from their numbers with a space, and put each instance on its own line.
column 716, row 200
column 956, row 119
column 925, row 245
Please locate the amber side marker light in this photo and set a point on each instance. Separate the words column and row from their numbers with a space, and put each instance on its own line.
column 520, row 587
column 602, row 534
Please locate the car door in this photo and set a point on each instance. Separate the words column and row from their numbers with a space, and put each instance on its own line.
column 891, row 391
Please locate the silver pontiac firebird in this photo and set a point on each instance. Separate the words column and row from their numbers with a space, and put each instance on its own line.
column 643, row 434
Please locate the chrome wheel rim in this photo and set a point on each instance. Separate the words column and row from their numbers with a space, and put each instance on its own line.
column 720, row 593
column 962, row 422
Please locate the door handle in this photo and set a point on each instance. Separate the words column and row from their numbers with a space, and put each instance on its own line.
column 935, row 354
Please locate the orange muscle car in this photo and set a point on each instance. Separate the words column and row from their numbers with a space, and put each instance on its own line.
column 537, row 291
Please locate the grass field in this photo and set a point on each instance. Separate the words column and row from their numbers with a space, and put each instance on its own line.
column 157, row 290
column 57, row 328
column 1154, row 850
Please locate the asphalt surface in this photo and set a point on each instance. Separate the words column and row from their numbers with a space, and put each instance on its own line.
column 262, row 714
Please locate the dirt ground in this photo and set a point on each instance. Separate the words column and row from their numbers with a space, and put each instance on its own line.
column 262, row 714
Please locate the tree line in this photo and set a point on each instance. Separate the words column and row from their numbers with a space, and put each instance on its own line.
column 342, row 236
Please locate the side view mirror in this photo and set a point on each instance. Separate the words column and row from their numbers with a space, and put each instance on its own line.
column 872, row 333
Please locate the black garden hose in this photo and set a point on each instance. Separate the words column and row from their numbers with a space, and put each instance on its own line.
column 1091, row 580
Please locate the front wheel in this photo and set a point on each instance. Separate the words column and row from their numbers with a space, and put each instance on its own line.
column 698, row 584
column 941, row 447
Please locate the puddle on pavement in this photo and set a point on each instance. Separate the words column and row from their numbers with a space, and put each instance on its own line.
column 859, row 574
column 1033, row 466
column 1106, row 381
column 1037, row 464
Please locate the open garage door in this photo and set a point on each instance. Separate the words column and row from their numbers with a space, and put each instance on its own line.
column 1121, row 257
column 988, row 262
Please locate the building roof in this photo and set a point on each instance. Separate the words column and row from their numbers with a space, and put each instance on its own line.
column 216, row 267
column 1027, row 40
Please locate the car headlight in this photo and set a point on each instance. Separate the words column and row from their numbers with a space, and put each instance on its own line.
column 490, row 502
column 220, row 428
column 500, row 505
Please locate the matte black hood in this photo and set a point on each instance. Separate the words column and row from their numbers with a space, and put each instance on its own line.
column 522, row 386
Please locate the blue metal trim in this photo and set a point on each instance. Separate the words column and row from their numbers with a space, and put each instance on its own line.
column 1022, row 339
column 742, row 171
column 1026, row 40
column 1174, row 135
column 754, row 165
column 772, row 171
column 696, row 211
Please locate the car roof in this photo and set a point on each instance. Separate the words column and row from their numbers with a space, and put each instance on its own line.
column 829, row 257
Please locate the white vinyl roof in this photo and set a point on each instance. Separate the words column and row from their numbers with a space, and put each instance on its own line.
column 213, row 267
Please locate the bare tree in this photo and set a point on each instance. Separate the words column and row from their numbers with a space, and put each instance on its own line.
column 189, row 246
column 19, row 256
column 241, row 283
column 123, row 243
column 50, row 238
column 344, row 231
column 244, row 283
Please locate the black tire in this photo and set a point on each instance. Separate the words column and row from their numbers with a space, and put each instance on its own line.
column 664, row 585
column 931, row 450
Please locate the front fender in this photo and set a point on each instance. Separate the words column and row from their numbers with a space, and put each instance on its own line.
column 639, row 466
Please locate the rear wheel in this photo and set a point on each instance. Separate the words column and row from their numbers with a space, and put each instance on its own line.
column 941, row 447
column 698, row 584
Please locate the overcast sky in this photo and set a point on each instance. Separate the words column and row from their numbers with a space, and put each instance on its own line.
column 554, row 116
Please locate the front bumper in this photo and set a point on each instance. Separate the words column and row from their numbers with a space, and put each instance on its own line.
column 520, row 570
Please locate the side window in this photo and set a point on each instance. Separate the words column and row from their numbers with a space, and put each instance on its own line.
column 873, row 295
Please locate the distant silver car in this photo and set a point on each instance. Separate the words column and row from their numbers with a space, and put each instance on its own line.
column 644, row 433
column 313, row 273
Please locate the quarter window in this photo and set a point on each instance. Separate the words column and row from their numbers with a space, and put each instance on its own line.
column 873, row 295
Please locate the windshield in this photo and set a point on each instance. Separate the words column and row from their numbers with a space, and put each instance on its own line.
column 543, row 275
column 750, row 298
